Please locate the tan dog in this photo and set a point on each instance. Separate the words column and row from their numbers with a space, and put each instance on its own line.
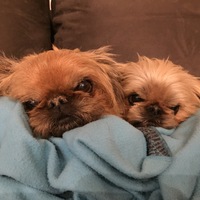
column 159, row 93
column 63, row 89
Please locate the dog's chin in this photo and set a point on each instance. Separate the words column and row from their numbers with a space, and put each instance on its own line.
column 165, row 118
column 167, row 121
column 57, row 127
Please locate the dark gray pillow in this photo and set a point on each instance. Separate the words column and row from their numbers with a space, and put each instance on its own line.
column 154, row 28
column 25, row 27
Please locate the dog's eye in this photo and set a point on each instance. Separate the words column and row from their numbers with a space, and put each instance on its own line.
column 29, row 105
column 134, row 98
column 175, row 108
column 85, row 86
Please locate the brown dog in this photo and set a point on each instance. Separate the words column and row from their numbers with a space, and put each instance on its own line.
column 159, row 93
column 63, row 89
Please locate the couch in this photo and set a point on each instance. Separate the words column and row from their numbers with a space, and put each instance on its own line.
column 154, row 28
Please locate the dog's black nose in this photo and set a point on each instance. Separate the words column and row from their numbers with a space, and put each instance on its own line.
column 57, row 102
column 154, row 110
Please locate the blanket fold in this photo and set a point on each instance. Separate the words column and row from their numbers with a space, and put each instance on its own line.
column 105, row 159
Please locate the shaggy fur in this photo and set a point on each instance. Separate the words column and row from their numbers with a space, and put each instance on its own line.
column 159, row 93
column 63, row 89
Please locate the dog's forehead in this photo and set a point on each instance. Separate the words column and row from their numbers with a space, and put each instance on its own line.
column 164, row 90
column 46, row 71
column 54, row 65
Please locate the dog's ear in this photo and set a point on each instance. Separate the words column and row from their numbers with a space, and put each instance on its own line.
column 103, row 55
column 106, row 62
column 6, row 65
column 6, row 70
column 55, row 48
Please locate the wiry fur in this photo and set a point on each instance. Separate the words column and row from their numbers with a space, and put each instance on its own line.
column 51, row 79
column 168, row 93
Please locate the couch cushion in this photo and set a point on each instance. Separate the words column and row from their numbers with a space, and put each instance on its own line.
column 154, row 28
column 25, row 27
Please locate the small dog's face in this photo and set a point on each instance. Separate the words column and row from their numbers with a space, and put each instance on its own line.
column 63, row 89
column 159, row 93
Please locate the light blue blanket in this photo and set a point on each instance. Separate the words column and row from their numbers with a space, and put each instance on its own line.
column 104, row 160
